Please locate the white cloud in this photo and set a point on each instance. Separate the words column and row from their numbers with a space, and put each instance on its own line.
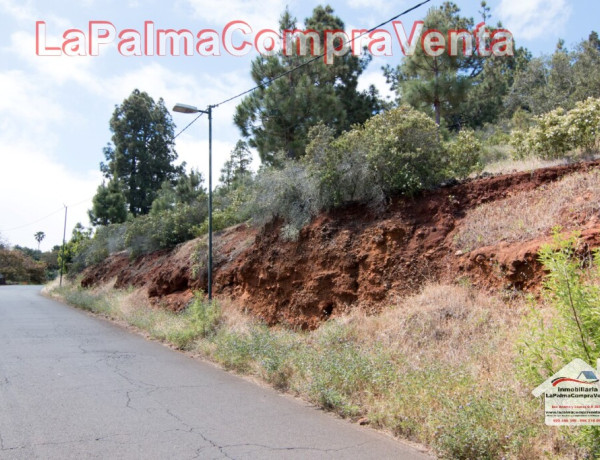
column 33, row 182
column 377, row 79
column 19, row 10
column 58, row 69
column 530, row 19
column 258, row 15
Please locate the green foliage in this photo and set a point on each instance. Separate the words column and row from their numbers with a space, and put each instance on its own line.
column 39, row 236
column 201, row 319
column 403, row 150
column 558, row 81
column 71, row 258
column 476, row 433
column 339, row 167
column 142, row 155
column 108, row 205
column 557, row 133
column 187, row 189
column 572, row 287
column 278, row 115
column 17, row 267
column 457, row 91
column 435, row 82
column 464, row 155
column 105, row 241
column 237, row 168
column 164, row 229
column 229, row 209
column 289, row 193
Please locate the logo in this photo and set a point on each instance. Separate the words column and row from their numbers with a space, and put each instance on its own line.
column 585, row 377
column 572, row 395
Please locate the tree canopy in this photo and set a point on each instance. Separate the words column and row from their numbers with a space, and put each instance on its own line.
column 141, row 156
column 278, row 115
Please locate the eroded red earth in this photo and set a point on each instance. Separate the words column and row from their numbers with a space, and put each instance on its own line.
column 352, row 257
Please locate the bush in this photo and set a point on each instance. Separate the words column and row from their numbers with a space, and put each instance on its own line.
column 164, row 229
column 464, row 155
column 404, row 150
column 398, row 151
column 20, row 268
column 556, row 133
column 107, row 240
column 290, row 193
column 339, row 167
column 230, row 208
column 575, row 295
column 583, row 125
column 201, row 319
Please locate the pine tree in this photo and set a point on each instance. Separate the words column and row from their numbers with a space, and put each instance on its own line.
column 109, row 205
column 238, row 166
column 439, row 83
column 277, row 116
column 142, row 155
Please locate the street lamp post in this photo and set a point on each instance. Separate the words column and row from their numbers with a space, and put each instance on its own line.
column 184, row 108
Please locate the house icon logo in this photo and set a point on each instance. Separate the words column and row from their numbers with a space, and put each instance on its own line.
column 572, row 395
column 584, row 377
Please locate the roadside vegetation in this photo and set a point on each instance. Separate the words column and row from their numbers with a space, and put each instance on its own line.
column 450, row 367
column 21, row 265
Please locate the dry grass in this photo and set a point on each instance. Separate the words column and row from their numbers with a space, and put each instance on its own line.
column 443, row 322
column 531, row 214
column 506, row 166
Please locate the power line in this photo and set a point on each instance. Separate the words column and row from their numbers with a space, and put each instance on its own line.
column 45, row 217
column 305, row 63
column 189, row 124
column 310, row 61
column 31, row 223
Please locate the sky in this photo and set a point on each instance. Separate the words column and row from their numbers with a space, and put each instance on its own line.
column 55, row 110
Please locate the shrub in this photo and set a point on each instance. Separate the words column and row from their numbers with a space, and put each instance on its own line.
column 164, row 229
column 90, row 251
column 20, row 268
column 556, row 133
column 403, row 150
column 398, row 151
column 464, row 155
column 289, row 193
column 229, row 209
column 583, row 125
column 340, row 168
column 575, row 331
column 201, row 319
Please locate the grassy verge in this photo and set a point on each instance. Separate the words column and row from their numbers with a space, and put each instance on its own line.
column 437, row 368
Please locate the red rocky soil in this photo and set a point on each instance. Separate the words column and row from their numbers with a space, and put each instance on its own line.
column 349, row 257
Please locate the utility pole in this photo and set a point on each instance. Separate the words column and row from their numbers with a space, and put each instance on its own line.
column 62, row 257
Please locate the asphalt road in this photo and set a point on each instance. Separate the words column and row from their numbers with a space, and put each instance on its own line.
column 76, row 386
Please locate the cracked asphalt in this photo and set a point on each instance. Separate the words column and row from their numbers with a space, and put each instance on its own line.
column 76, row 386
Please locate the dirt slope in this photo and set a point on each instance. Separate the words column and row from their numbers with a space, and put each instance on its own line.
column 352, row 256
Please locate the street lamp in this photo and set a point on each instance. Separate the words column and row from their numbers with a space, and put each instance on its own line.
column 184, row 108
